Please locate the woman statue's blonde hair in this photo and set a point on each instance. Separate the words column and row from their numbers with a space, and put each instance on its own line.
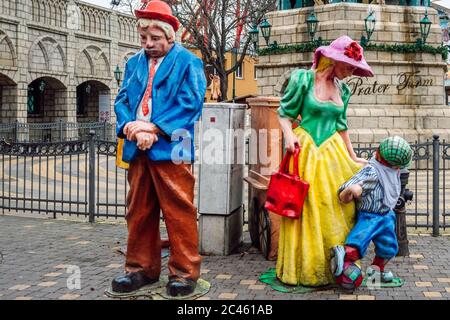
column 324, row 63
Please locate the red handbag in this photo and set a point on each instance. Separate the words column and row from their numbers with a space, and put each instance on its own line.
column 287, row 193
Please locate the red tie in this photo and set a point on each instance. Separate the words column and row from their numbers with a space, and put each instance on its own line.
column 148, row 91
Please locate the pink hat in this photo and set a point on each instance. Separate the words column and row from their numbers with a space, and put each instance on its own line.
column 344, row 49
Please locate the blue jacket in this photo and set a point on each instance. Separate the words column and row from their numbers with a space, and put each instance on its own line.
column 178, row 94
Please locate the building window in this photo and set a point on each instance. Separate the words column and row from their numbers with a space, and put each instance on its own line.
column 35, row 101
column 239, row 71
column 254, row 73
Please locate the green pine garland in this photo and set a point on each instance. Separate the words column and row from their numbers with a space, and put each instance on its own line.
column 397, row 48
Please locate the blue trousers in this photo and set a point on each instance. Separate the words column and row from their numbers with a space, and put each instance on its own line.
column 377, row 228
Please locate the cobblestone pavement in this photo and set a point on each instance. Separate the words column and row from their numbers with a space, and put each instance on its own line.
column 37, row 253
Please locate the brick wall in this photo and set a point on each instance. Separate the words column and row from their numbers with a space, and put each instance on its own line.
column 66, row 42
column 415, row 111
column 8, row 104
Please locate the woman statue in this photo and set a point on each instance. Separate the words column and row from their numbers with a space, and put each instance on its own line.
column 326, row 161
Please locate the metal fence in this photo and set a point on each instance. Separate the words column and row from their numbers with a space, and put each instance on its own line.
column 80, row 178
column 74, row 178
column 427, row 180
column 56, row 131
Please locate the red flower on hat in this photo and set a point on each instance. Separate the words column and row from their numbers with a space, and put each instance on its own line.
column 354, row 51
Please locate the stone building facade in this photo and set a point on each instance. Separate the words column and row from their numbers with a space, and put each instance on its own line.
column 57, row 60
column 406, row 97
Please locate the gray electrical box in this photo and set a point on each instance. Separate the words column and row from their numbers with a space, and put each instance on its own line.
column 222, row 158
column 221, row 173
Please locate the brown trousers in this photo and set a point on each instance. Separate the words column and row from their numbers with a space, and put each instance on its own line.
column 156, row 186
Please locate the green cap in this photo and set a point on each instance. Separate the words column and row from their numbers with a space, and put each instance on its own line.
column 396, row 151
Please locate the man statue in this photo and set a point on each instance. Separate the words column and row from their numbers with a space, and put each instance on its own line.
column 160, row 99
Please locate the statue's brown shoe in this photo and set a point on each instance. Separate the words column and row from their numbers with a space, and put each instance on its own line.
column 180, row 287
column 131, row 282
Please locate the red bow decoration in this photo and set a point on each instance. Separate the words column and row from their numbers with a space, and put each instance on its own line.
column 353, row 50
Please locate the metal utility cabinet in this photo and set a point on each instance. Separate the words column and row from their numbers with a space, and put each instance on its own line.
column 221, row 170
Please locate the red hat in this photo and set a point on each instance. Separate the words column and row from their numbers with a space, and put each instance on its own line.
column 158, row 10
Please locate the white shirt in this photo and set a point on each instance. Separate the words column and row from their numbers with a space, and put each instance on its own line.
column 139, row 113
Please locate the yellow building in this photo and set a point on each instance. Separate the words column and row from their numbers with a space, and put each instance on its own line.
column 246, row 83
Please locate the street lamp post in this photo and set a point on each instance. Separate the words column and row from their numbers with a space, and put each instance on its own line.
column 312, row 22
column 254, row 36
column 369, row 25
column 118, row 76
column 266, row 29
column 425, row 25
column 115, row 3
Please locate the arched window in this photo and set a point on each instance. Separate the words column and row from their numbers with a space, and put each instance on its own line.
column 35, row 101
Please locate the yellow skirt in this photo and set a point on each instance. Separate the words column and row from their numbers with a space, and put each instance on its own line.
column 304, row 244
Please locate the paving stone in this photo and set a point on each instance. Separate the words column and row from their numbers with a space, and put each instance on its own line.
column 69, row 296
column 256, row 287
column 432, row 294
column 225, row 295
column 231, row 277
column 224, row 276
column 365, row 297
column 420, row 267
column 423, row 284
column 47, row 284
column 24, row 298
column 53, row 274
column 20, row 287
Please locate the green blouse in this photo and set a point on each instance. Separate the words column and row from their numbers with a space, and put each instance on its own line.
column 321, row 119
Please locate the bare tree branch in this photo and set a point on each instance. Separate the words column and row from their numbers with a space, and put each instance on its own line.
column 217, row 21
column 213, row 26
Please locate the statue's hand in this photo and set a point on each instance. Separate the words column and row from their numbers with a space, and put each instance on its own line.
column 290, row 141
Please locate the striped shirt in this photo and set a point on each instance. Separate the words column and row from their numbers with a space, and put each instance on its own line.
column 372, row 196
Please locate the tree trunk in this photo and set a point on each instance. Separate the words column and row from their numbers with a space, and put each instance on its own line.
column 223, row 87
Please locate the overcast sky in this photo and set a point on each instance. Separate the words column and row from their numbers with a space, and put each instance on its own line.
column 107, row 3
column 445, row 3
column 103, row 3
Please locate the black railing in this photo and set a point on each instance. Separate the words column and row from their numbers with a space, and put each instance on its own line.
column 80, row 178
column 44, row 177
column 56, row 131
column 67, row 178
column 427, row 181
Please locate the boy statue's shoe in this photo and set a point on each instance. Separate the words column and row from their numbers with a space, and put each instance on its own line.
column 180, row 287
column 131, row 282
column 337, row 260
column 384, row 276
